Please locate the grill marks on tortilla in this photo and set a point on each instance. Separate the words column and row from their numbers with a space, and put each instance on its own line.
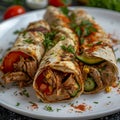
column 41, row 29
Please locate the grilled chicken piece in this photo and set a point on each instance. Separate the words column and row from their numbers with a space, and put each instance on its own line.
column 15, row 76
column 26, row 65
column 57, row 85
column 108, row 74
column 95, row 75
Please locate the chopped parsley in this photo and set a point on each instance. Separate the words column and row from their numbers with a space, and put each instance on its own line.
column 25, row 93
column 18, row 31
column 99, row 43
column 118, row 60
column 0, row 59
column 62, row 38
column 95, row 102
column 28, row 41
column 64, row 10
column 48, row 108
column 58, row 109
column 84, row 29
column 48, row 41
column 69, row 48
column 82, row 40
column 17, row 104
column 78, row 31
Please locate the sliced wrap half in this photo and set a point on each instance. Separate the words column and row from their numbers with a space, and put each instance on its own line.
column 95, row 54
column 58, row 77
column 21, row 62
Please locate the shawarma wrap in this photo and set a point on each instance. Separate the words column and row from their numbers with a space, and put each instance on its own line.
column 58, row 77
column 20, row 63
column 95, row 54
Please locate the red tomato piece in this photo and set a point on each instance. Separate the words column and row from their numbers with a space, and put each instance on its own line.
column 12, row 58
column 13, row 10
column 58, row 3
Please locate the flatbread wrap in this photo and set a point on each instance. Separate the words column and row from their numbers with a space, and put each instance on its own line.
column 20, row 63
column 58, row 77
column 95, row 55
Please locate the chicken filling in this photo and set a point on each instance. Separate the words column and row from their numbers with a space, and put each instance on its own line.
column 55, row 83
column 98, row 77
column 23, row 72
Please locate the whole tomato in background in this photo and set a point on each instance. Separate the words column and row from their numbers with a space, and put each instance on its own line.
column 59, row 3
column 13, row 10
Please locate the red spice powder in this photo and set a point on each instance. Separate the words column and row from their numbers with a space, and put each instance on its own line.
column 118, row 90
column 34, row 106
column 113, row 39
column 81, row 107
column 114, row 85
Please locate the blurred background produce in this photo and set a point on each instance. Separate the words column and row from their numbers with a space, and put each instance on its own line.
column 108, row 4
column 7, row 6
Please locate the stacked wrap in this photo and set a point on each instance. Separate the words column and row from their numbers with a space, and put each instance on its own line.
column 58, row 77
column 21, row 62
column 95, row 54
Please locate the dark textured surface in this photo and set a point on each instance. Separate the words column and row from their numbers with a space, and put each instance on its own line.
column 9, row 115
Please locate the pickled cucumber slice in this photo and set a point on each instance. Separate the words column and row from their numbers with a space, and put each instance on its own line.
column 89, row 60
column 89, row 84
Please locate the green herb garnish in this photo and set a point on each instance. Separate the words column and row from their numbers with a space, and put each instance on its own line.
column 58, row 109
column 84, row 29
column 18, row 31
column 69, row 48
column 17, row 104
column 62, row 38
column 48, row 108
column 28, row 41
column 0, row 59
column 78, row 31
column 118, row 60
column 25, row 93
column 64, row 10
column 49, row 40
column 82, row 40
column 99, row 43
column 95, row 102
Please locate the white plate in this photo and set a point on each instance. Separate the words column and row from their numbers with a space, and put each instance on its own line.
column 97, row 105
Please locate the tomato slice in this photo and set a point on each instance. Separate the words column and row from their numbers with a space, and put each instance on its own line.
column 13, row 10
column 12, row 58
column 59, row 3
column 43, row 87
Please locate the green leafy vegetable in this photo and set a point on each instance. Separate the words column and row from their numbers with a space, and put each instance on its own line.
column 109, row 4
